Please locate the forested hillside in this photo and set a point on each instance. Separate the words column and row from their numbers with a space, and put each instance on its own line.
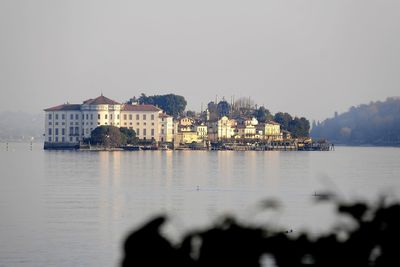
column 377, row 123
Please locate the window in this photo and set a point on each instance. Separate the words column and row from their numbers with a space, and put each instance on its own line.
column 137, row 131
column 63, row 116
column 56, row 131
column 77, row 139
column 98, row 116
column 49, row 116
column 63, row 123
column 83, row 117
column 106, row 117
column 144, row 116
column 56, row 123
column 137, row 123
column 71, row 117
column 49, row 131
column 125, row 116
column 162, row 131
column 63, row 131
column 50, row 139
column 70, row 138
column 125, row 123
column 77, row 130
column 63, row 139
column 152, row 132
column 87, row 116
column 71, row 130
column 110, row 116
column 152, row 117
column 91, row 116
column 118, row 117
column 130, row 116
column 56, row 138
column 152, row 123
column 137, row 116
column 144, row 131
column 56, row 116
column 50, row 123
column 130, row 123
column 76, row 117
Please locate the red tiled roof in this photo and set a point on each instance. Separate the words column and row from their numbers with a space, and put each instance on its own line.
column 101, row 100
column 128, row 107
column 64, row 107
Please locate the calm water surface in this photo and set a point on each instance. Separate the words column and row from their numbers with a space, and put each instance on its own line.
column 66, row 208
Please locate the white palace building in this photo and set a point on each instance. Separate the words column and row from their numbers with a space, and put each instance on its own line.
column 68, row 124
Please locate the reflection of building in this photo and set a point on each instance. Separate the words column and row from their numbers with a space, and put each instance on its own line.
column 71, row 123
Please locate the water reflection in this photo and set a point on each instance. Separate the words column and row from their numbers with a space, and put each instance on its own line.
column 91, row 200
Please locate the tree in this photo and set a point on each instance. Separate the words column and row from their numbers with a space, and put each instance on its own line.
column 263, row 115
column 212, row 108
column 191, row 114
column 283, row 119
column 376, row 123
column 108, row 136
column 223, row 108
column 172, row 104
column 128, row 136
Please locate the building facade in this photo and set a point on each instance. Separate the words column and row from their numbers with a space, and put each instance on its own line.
column 70, row 124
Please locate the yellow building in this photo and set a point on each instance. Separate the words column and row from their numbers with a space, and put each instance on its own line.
column 202, row 131
column 272, row 131
column 222, row 129
column 186, row 137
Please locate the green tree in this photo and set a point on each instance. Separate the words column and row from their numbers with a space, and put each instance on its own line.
column 172, row 104
column 108, row 136
column 128, row 136
column 263, row 115
column 283, row 119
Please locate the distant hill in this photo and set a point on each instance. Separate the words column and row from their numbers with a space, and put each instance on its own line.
column 21, row 126
column 377, row 123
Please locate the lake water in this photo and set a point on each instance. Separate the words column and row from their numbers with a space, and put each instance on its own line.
column 67, row 208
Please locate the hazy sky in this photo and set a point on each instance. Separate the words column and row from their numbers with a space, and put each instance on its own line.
column 308, row 57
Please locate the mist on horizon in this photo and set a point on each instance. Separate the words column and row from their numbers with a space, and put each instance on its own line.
column 308, row 58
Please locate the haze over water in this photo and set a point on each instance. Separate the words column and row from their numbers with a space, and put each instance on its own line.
column 67, row 208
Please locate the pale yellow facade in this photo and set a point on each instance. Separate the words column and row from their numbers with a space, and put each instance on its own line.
column 72, row 123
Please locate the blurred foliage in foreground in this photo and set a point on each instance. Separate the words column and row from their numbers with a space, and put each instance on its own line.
column 373, row 242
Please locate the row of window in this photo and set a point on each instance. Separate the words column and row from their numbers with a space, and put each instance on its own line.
column 130, row 116
column 76, row 116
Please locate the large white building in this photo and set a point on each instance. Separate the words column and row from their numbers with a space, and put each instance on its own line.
column 69, row 124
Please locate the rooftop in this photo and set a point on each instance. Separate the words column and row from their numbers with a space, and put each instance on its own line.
column 128, row 107
column 64, row 107
column 101, row 100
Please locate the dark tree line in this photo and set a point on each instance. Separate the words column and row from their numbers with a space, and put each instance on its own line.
column 377, row 123
column 299, row 127
column 172, row 104
column 372, row 242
